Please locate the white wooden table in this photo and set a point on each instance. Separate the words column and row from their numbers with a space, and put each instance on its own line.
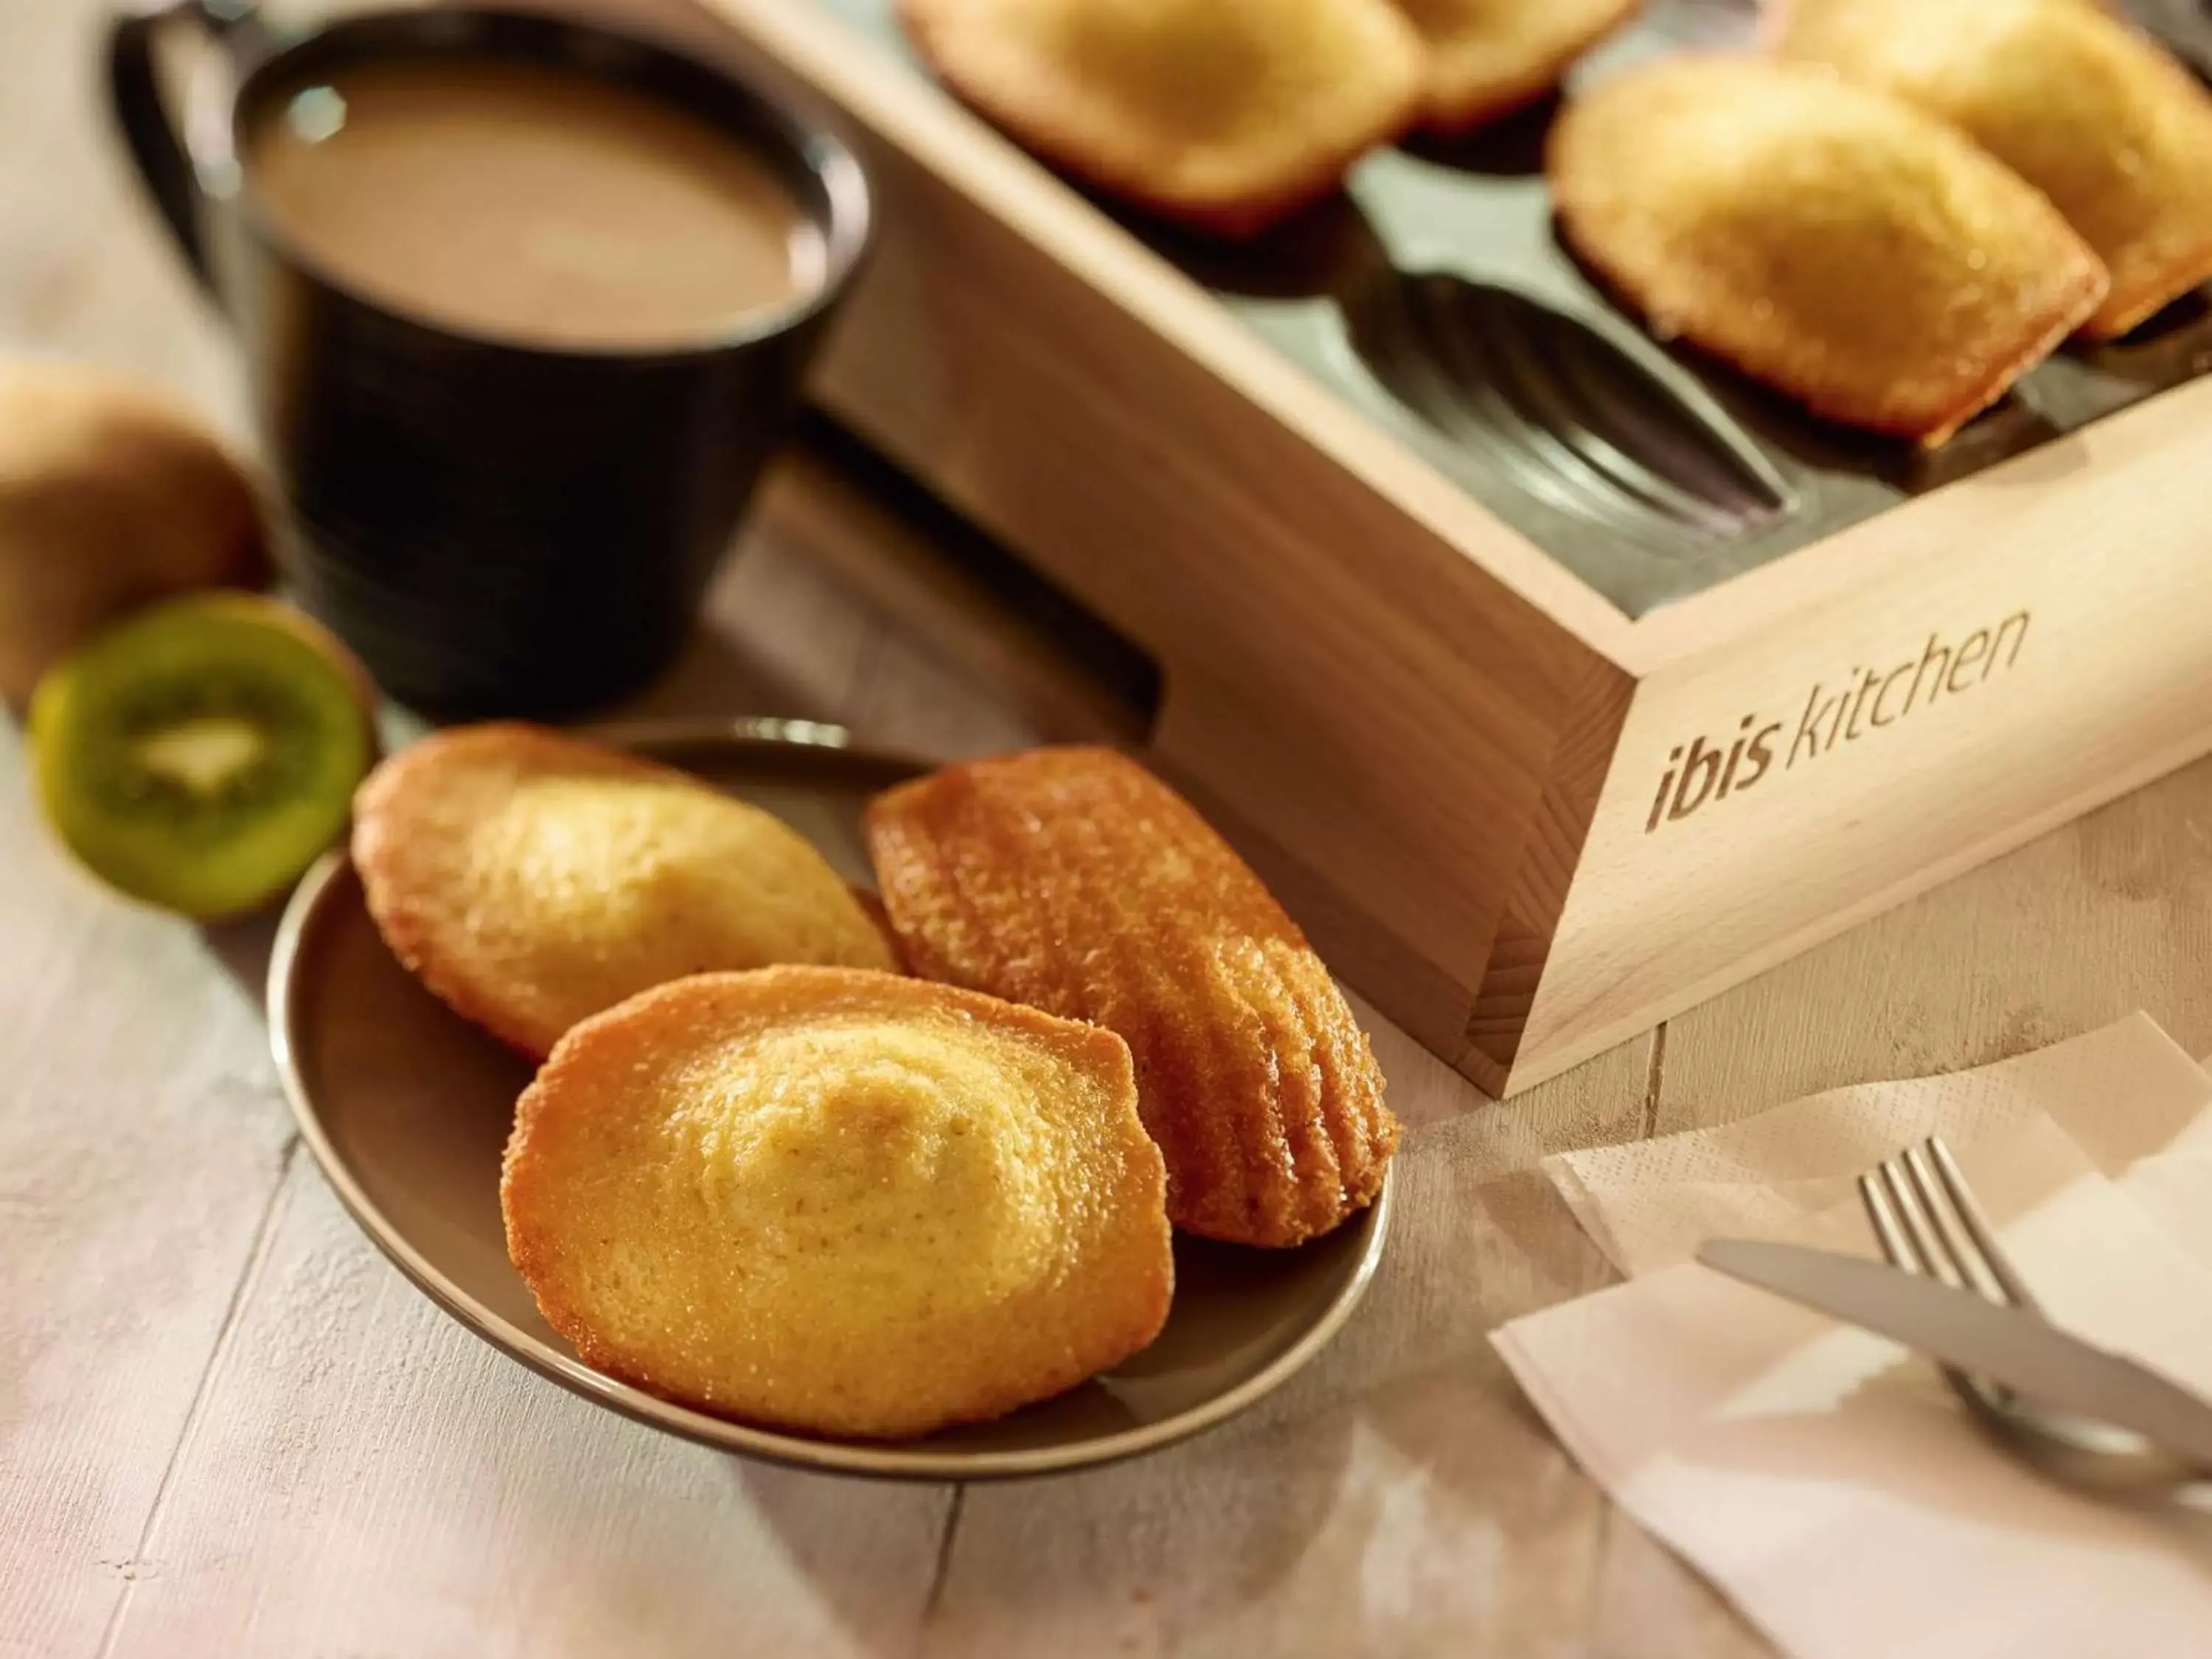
column 228, row 1428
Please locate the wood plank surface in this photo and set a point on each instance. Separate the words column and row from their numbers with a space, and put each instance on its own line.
column 369, row 1475
column 2111, row 914
column 140, row 1144
column 228, row 1428
column 141, row 1140
column 1400, row 1497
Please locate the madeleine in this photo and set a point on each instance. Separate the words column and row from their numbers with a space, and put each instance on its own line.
column 531, row 880
column 1838, row 244
column 839, row 1201
column 1226, row 114
column 2115, row 132
column 1073, row 880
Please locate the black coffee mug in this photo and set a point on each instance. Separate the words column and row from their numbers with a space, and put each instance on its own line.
column 497, row 529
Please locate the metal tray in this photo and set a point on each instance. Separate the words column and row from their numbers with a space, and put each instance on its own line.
column 1434, row 297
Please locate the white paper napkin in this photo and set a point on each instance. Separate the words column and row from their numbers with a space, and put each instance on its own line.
column 2122, row 1093
column 1826, row 1479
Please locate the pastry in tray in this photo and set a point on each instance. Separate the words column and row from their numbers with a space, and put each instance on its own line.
column 1489, row 57
column 1074, row 881
column 1832, row 241
column 530, row 880
column 2115, row 132
column 1225, row 114
column 839, row 1201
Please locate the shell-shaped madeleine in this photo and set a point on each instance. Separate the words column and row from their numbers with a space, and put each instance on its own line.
column 1834, row 242
column 531, row 880
column 1073, row 880
column 1489, row 57
column 2096, row 117
column 1226, row 114
column 839, row 1201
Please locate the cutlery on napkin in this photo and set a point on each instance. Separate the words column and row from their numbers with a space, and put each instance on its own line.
column 1822, row 1477
column 2009, row 1345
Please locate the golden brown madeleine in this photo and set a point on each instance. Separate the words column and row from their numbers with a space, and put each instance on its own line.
column 1489, row 57
column 1834, row 242
column 1227, row 114
column 1073, row 880
column 2115, row 132
column 839, row 1201
column 530, row 879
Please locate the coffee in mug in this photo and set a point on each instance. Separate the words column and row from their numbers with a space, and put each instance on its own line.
column 525, row 306
column 532, row 203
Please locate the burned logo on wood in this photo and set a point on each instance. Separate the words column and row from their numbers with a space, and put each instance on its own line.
column 1707, row 769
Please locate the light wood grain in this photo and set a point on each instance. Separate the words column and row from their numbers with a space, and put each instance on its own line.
column 2088, row 548
column 140, row 1140
column 2112, row 914
column 1400, row 710
column 366, row 1468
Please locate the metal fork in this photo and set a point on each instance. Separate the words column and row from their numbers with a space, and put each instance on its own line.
column 1928, row 1221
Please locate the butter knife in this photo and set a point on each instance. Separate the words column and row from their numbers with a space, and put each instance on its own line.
column 2004, row 1345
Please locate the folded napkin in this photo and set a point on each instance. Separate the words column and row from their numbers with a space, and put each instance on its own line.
column 1824, row 1478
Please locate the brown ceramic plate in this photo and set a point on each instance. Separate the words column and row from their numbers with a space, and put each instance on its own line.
column 407, row 1108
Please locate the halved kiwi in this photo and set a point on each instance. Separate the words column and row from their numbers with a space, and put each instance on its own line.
column 202, row 753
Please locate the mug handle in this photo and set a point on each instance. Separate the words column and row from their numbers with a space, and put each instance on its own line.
column 135, row 97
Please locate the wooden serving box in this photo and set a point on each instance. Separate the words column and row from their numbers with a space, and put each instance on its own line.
column 1534, row 769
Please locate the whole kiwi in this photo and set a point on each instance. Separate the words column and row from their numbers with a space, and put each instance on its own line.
column 110, row 498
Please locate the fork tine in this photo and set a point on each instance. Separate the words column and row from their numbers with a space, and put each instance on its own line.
column 1958, row 1244
column 1907, row 1238
column 1919, row 1230
column 1888, row 1232
column 1978, row 1226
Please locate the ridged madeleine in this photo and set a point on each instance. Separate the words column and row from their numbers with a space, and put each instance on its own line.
column 1073, row 880
column 2115, row 132
column 839, row 1201
column 1835, row 243
column 1489, row 57
column 1227, row 114
column 530, row 880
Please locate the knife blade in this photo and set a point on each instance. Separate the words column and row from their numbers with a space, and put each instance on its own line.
column 2002, row 1344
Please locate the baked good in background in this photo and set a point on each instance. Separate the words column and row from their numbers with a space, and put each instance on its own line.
column 839, row 1201
column 2089, row 111
column 1074, row 881
column 530, row 879
column 1224, row 114
column 1834, row 242
column 1487, row 58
